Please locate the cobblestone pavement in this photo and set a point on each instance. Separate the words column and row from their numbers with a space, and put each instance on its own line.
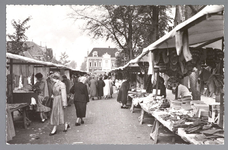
column 105, row 123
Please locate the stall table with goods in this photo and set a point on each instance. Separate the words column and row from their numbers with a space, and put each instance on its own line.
column 21, row 108
column 192, row 123
column 135, row 95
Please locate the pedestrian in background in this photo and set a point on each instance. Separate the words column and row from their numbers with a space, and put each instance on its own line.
column 100, row 87
column 58, row 117
column 111, row 86
column 107, row 87
column 66, row 81
column 93, row 88
column 123, row 93
column 81, row 98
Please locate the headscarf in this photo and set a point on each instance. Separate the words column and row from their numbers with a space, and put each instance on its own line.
column 82, row 79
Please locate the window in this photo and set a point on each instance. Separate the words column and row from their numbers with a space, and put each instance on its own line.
column 90, row 64
column 106, row 63
column 95, row 54
column 113, row 64
column 95, row 64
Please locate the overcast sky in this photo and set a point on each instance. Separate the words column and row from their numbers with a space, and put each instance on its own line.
column 50, row 27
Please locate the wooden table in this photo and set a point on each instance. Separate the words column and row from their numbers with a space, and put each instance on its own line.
column 159, row 121
column 24, row 97
column 21, row 108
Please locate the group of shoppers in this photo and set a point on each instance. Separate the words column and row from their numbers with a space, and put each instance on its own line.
column 180, row 90
column 60, row 92
column 100, row 86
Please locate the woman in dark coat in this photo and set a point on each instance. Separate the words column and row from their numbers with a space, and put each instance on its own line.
column 123, row 93
column 81, row 98
column 100, row 87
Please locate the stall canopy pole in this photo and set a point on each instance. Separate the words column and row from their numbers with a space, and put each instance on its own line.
column 221, row 95
column 12, row 80
column 157, row 83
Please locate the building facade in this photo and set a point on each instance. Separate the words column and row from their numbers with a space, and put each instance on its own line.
column 101, row 60
column 34, row 50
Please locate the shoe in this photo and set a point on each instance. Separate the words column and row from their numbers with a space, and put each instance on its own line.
column 77, row 124
column 68, row 126
column 124, row 107
column 43, row 120
column 50, row 134
column 82, row 122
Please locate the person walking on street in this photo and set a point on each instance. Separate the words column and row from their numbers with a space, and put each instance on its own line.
column 107, row 87
column 123, row 93
column 58, row 117
column 67, row 84
column 93, row 88
column 111, row 86
column 101, row 85
column 81, row 98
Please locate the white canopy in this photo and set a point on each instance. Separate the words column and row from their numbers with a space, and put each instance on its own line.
column 204, row 28
column 38, row 62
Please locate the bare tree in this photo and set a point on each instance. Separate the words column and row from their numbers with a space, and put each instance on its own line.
column 130, row 27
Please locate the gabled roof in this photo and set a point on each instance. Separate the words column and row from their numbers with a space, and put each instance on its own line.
column 35, row 49
column 102, row 51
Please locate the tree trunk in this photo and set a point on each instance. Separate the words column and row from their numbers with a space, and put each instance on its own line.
column 155, row 24
column 130, row 34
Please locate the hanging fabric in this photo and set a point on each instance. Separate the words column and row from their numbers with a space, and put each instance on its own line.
column 16, row 70
column 179, row 42
column 67, row 73
column 151, row 66
column 182, row 45
column 186, row 51
column 156, row 56
column 30, row 70
column 165, row 56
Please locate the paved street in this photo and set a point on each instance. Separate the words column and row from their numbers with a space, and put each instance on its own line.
column 105, row 123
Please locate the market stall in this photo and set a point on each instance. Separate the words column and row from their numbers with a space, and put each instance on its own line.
column 189, row 122
column 206, row 129
column 21, row 96
column 186, row 51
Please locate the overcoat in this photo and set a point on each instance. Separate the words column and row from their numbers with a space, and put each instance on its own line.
column 81, row 98
column 100, row 86
column 93, row 87
column 80, row 92
column 123, row 92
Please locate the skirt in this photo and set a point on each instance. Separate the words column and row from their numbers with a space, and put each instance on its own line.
column 80, row 109
column 40, row 106
column 57, row 114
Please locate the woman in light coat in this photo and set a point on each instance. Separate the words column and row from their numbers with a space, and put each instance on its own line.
column 59, row 104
